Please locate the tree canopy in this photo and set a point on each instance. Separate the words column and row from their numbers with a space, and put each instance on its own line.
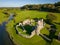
column 43, row 7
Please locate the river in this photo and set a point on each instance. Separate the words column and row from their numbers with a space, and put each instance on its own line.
column 4, row 38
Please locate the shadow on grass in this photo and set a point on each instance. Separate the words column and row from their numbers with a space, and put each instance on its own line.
column 57, row 23
column 15, row 28
column 36, row 19
column 28, row 28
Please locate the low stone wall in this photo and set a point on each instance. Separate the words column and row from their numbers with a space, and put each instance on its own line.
column 26, row 36
column 44, row 37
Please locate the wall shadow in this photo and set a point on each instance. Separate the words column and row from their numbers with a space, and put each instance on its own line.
column 57, row 23
column 15, row 28
column 28, row 28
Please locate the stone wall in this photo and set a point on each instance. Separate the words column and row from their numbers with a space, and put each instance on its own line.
column 26, row 36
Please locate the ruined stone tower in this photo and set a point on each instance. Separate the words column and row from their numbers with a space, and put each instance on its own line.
column 39, row 26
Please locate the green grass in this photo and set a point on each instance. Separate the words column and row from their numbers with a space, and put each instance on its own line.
column 22, row 15
column 21, row 31
column 2, row 17
column 32, row 14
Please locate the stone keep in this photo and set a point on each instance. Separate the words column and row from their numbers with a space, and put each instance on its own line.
column 39, row 26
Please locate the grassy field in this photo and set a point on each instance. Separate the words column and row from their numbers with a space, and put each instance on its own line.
column 2, row 17
column 36, row 40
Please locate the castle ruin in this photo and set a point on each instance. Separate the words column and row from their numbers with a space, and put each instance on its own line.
column 39, row 25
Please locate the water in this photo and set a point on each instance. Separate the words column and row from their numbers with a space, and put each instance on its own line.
column 11, row 17
column 4, row 39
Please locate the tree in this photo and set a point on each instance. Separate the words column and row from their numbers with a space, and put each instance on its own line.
column 57, row 4
column 51, row 17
